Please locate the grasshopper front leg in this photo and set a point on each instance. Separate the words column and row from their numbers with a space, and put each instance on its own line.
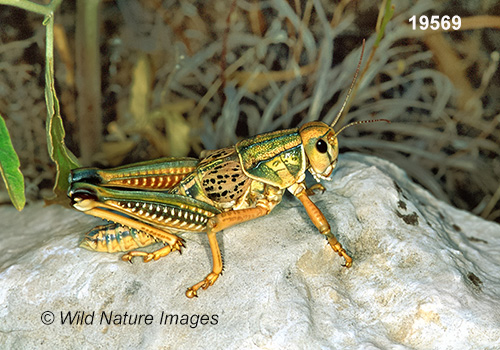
column 322, row 224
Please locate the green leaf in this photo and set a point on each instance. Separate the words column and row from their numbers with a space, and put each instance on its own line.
column 59, row 153
column 9, row 167
column 388, row 13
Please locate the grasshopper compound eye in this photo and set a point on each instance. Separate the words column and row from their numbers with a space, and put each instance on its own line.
column 321, row 146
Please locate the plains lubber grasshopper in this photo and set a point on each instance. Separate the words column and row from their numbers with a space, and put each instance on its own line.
column 153, row 201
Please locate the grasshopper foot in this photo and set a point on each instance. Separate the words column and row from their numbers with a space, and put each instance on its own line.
column 207, row 282
column 337, row 247
column 157, row 254
column 178, row 245
column 311, row 191
column 146, row 257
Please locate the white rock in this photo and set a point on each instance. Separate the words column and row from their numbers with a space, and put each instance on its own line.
column 425, row 276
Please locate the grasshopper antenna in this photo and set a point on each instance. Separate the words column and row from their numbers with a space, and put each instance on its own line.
column 359, row 122
column 347, row 98
column 350, row 88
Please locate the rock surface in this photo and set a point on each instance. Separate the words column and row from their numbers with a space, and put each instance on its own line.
column 424, row 276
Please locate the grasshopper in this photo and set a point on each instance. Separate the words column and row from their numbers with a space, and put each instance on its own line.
column 153, row 201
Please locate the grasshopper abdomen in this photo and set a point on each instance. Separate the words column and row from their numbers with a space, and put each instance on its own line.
column 113, row 238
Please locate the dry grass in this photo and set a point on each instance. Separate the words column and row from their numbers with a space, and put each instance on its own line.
column 179, row 78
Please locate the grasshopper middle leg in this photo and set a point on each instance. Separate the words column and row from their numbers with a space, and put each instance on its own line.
column 214, row 225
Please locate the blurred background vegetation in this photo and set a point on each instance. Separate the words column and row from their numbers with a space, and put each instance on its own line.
column 138, row 80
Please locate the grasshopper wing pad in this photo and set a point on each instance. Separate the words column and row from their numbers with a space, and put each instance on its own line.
column 222, row 177
column 159, row 174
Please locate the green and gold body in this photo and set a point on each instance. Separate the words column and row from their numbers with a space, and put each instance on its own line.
column 154, row 201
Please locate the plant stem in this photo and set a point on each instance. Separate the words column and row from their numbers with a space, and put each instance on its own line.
column 33, row 7
column 88, row 78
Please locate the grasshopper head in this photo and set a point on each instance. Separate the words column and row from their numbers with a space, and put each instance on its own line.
column 321, row 147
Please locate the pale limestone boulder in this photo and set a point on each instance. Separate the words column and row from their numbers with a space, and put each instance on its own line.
column 425, row 276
